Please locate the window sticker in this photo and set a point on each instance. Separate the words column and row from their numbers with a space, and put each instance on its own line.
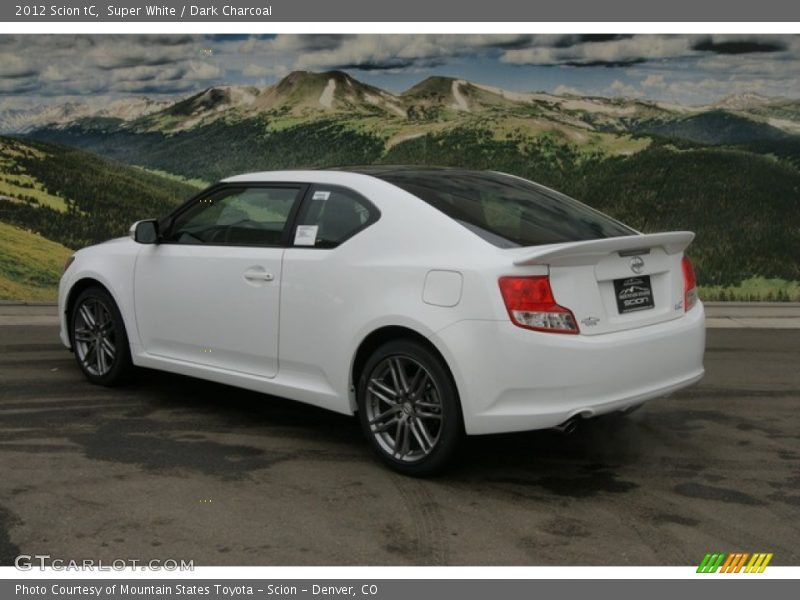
column 321, row 195
column 306, row 235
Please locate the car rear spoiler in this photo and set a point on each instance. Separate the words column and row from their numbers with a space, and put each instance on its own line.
column 591, row 251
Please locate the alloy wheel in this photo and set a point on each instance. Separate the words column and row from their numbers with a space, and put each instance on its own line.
column 404, row 409
column 94, row 336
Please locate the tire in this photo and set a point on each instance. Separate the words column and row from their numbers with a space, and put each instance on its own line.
column 409, row 409
column 96, row 323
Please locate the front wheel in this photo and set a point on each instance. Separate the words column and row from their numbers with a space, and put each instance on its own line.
column 99, row 339
column 409, row 408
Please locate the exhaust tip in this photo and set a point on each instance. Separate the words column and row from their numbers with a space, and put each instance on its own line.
column 569, row 426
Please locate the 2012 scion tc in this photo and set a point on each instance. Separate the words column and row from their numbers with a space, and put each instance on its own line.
column 433, row 303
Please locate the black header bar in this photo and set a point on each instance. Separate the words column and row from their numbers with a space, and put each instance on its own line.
column 472, row 11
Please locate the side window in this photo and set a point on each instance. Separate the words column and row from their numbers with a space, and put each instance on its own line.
column 248, row 216
column 331, row 215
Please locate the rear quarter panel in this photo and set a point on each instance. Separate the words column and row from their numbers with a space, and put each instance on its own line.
column 332, row 299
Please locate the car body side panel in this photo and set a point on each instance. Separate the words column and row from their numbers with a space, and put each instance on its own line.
column 324, row 312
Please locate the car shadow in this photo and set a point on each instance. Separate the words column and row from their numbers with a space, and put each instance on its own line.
column 577, row 464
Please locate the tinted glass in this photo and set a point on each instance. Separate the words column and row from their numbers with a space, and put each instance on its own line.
column 336, row 213
column 507, row 211
column 253, row 216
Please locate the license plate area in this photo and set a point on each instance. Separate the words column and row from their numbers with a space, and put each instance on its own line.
column 633, row 294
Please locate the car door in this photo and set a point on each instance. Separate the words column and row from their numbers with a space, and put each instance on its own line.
column 209, row 292
column 323, row 286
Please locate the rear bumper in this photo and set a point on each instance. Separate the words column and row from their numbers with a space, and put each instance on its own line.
column 512, row 379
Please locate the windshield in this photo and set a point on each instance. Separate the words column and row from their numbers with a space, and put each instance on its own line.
column 507, row 211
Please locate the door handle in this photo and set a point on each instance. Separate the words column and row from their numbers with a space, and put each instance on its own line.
column 254, row 275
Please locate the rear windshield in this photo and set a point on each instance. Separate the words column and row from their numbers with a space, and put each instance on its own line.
column 507, row 211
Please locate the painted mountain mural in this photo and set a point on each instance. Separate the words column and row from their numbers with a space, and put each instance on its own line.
column 75, row 174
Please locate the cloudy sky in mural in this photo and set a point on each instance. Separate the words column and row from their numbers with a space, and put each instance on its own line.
column 688, row 69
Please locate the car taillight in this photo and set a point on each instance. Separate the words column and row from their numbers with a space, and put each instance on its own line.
column 689, row 284
column 530, row 304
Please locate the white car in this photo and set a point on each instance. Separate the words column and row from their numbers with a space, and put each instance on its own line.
column 433, row 303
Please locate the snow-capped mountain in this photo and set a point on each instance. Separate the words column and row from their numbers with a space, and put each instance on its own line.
column 22, row 120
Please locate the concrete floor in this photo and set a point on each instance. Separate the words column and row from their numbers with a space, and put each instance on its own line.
column 171, row 467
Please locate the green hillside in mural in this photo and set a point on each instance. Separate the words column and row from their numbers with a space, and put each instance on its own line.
column 729, row 173
column 55, row 198
column 30, row 265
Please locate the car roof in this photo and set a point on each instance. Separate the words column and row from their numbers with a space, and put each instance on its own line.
column 376, row 171
column 384, row 170
column 298, row 175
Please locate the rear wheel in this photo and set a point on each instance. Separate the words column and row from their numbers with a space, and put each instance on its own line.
column 409, row 408
column 99, row 339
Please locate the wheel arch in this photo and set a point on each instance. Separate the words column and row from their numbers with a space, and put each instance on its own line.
column 387, row 333
column 78, row 287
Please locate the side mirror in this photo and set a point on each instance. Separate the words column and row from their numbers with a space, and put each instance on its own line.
column 145, row 232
